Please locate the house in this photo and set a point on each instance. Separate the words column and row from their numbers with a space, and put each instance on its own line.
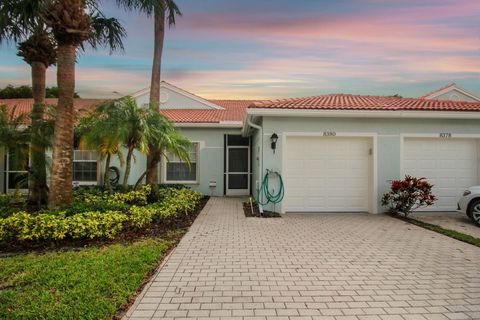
column 336, row 153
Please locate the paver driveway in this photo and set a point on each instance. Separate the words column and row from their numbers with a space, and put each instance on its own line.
column 337, row 266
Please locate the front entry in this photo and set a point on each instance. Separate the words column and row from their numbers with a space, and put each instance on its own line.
column 237, row 170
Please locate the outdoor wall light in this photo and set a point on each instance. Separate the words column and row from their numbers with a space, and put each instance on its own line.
column 274, row 139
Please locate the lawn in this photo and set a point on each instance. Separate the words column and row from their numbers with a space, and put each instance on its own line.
column 87, row 261
column 91, row 283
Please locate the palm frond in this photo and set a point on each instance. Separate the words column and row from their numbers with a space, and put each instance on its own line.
column 107, row 32
column 19, row 19
column 171, row 11
column 149, row 7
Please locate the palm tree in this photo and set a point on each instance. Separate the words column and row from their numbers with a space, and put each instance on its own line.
column 161, row 10
column 20, row 22
column 132, row 127
column 165, row 137
column 73, row 22
column 99, row 131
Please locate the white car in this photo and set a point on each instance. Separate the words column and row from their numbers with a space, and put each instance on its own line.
column 469, row 203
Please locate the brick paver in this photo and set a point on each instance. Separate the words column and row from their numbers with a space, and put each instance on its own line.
column 450, row 220
column 329, row 266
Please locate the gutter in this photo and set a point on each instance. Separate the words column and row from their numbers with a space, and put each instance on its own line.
column 363, row 113
column 222, row 124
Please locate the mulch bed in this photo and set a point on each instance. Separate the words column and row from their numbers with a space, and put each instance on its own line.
column 247, row 209
column 128, row 235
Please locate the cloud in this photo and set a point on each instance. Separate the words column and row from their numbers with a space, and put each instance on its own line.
column 265, row 49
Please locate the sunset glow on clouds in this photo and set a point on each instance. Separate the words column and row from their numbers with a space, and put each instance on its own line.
column 262, row 49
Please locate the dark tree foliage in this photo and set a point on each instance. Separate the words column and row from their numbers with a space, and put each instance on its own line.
column 25, row 92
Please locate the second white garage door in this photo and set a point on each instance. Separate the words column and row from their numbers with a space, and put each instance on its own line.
column 451, row 165
column 327, row 174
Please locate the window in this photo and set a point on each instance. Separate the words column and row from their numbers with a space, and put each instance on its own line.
column 178, row 171
column 85, row 166
column 17, row 174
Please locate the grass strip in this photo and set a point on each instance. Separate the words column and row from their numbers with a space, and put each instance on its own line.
column 447, row 232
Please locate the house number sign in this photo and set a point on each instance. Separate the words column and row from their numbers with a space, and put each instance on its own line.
column 329, row 133
column 445, row 134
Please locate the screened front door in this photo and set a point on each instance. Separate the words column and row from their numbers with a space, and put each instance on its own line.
column 238, row 170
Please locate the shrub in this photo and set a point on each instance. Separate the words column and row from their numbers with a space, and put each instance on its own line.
column 11, row 203
column 408, row 195
column 18, row 225
column 141, row 216
column 96, row 224
column 95, row 195
column 24, row 226
column 175, row 202
column 59, row 225
column 47, row 227
column 134, row 197
column 178, row 201
column 96, row 205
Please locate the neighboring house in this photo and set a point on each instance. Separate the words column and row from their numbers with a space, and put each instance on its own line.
column 451, row 92
column 336, row 153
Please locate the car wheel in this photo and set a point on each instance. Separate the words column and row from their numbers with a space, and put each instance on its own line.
column 474, row 212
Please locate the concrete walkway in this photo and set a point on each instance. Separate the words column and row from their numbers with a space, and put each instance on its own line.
column 330, row 266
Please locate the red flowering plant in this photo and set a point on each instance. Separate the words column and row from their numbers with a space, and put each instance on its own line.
column 408, row 195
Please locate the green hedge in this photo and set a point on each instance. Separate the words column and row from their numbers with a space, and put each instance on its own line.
column 24, row 226
column 11, row 203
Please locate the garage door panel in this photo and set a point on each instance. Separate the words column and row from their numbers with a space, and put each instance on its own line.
column 334, row 175
column 451, row 165
column 317, row 201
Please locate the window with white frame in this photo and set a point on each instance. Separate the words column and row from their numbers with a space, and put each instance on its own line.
column 177, row 171
column 85, row 166
column 17, row 170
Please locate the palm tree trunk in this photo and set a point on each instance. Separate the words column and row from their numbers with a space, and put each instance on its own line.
column 106, row 178
column 139, row 181
column 154, row 156
column 127, row 166
column 38, row 189
column 152, row 166
column 62, row 162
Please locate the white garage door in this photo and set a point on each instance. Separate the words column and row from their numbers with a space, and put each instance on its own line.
column 327, row 174
column 451, row 165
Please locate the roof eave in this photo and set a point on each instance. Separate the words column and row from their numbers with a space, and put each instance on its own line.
column 275, row 112
column 221, row 124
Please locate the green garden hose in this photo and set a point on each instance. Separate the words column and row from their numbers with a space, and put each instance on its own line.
column 264, row 191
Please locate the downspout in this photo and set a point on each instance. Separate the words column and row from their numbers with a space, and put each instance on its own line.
column 260, row 129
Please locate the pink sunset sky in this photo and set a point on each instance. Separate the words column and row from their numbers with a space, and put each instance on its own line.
column 267, row 49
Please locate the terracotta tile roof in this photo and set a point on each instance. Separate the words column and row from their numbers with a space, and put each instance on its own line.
column 356, row 102
column 234, row 110
column 438, row 90
column 24, row 106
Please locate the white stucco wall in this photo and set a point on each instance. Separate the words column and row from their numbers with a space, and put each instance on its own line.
column 388, row 133
column 455, row 95
column 171, row 99
column 210, row 159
